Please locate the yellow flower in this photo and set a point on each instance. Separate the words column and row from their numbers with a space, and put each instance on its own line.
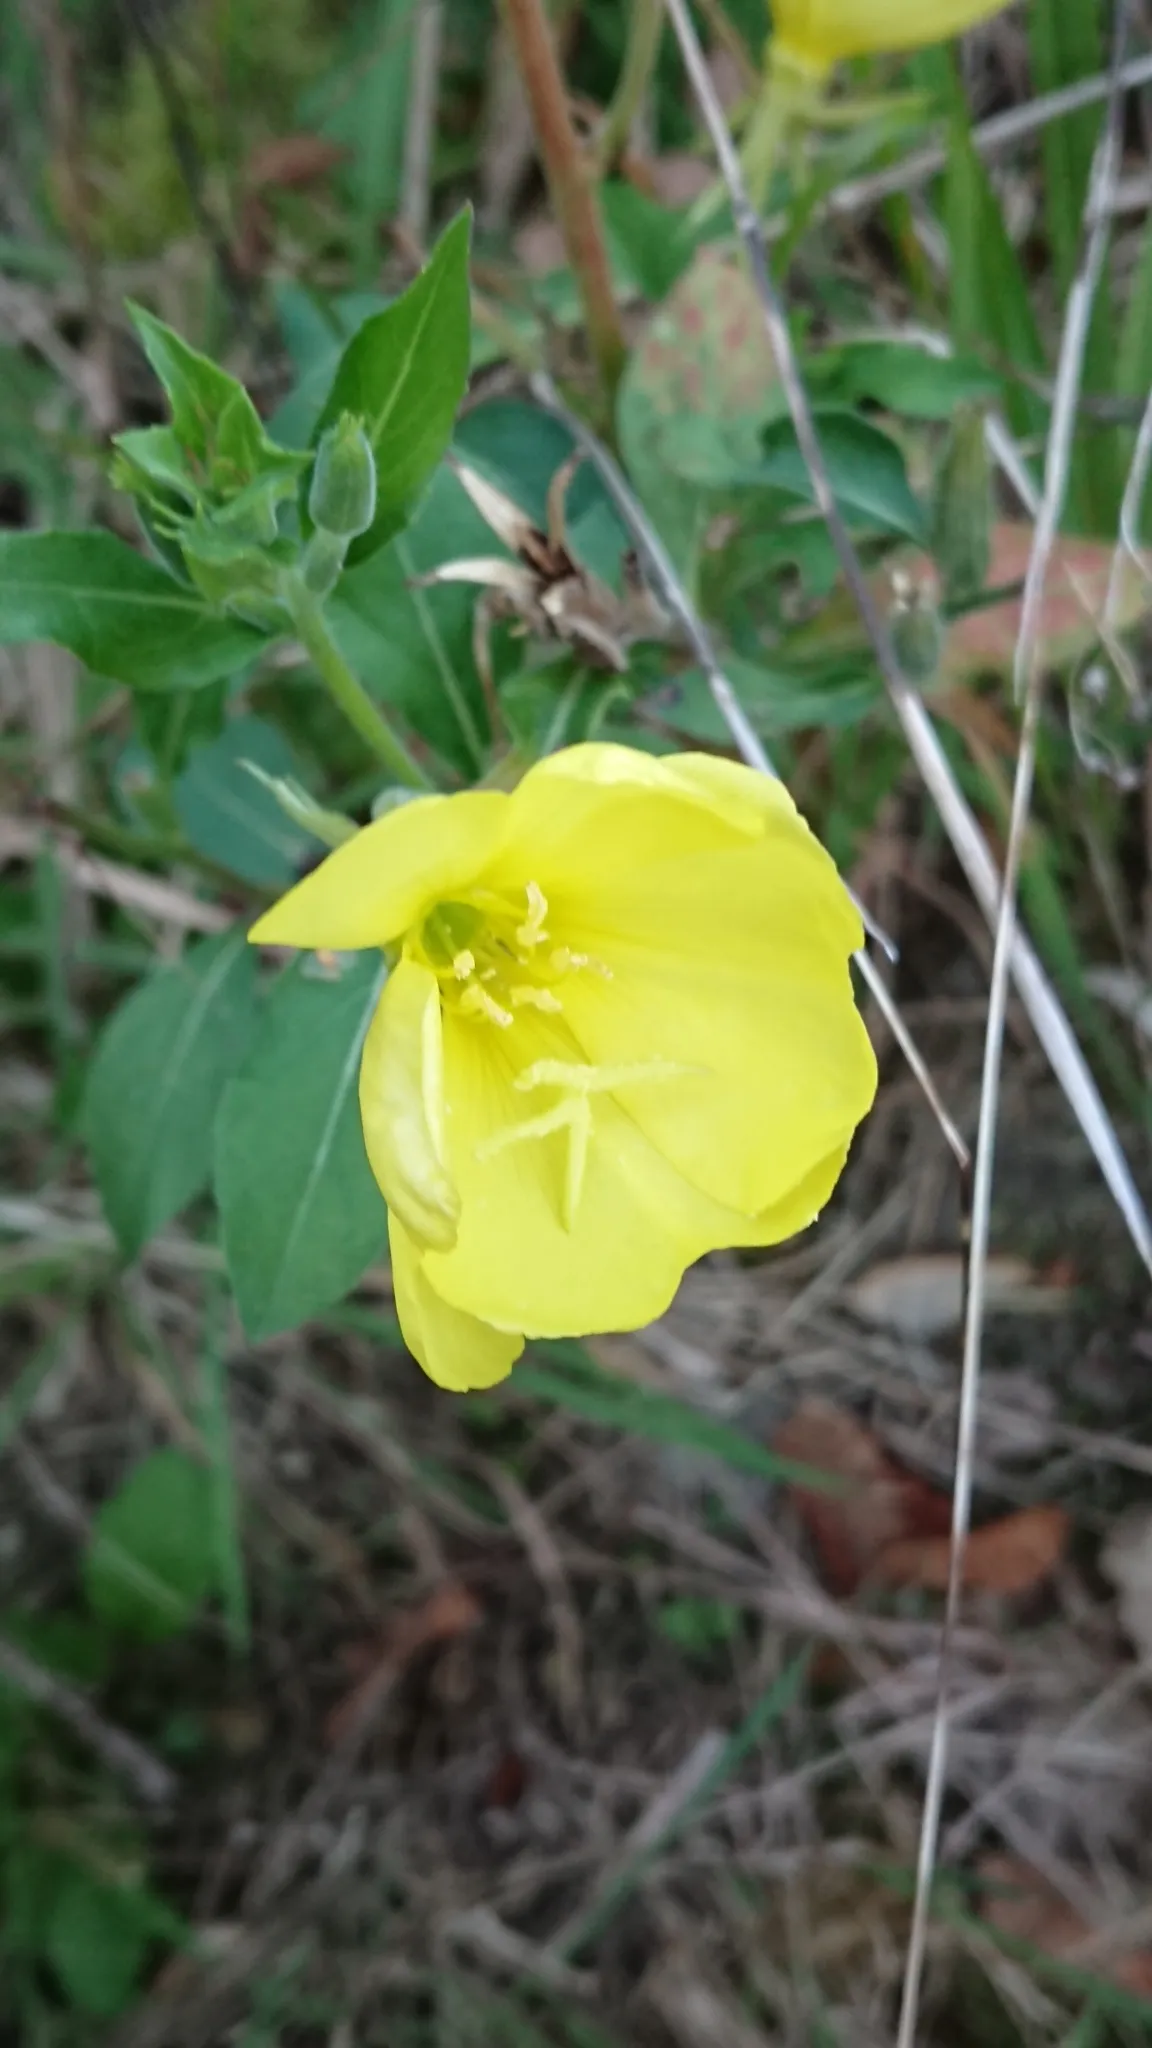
column 620, row 1033
column 815, row 34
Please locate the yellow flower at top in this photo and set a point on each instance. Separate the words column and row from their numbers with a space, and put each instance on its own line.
column 812, row 35
column 619, row 1032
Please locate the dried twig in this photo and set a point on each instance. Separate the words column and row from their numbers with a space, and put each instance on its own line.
column 568, row 171
column 148, row 895
column 1028, row 680
column 988, row 138
column 420, row 131
column 152, row 1782
column 1046, row 1014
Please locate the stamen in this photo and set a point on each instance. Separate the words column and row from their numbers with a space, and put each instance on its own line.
column 464, row 964
column 562, row 959
column 527, row 995
column 532, row 932
column 476, row 1002
column 587, row 1080
column 574, row 1116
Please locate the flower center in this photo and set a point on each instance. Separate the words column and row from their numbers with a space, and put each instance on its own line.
column 492, row 956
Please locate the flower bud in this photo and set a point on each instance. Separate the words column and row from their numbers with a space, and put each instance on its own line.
column 962, row 507
column 342, row 496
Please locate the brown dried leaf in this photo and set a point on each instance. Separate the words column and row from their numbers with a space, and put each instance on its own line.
column 986, row 639
column 447, row 1613
column 880, row 1504
column 1033, row 1911
column 1012, row 1555
column 892, row 1526
column 289, row 161
column 922, row 1295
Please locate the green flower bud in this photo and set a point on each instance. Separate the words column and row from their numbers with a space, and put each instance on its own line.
column 916, row 627
column 962, row 507
column 342, row 496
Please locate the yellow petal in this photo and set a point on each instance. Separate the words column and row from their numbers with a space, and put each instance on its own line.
column 733, row 966
column 402, row 1105
column 454, row 1349
column 528, row 1254
column 582, row 818
column 799, row 1207
column 380, row 883
column 820, row 32
column 740, row 796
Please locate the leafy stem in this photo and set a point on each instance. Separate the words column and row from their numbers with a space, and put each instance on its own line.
column 312, row 629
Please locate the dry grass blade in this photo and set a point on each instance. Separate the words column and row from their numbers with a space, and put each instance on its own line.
column 1040, row 1001
column 1028, row 680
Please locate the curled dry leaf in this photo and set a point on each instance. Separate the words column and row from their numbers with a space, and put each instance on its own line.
column 880, row 1502
column 923, row 1295
column 1022, row 1904
column 890, row 1526
column 292, row 160
column 1011, row 1555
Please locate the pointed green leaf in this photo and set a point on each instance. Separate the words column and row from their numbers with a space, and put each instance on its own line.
column 403, row 375
column 231, row 815
column 95, row 1942
column 152, row 1558
column 156, row 1079
column 301, row 1214
column 197, row 389
column 124, row 617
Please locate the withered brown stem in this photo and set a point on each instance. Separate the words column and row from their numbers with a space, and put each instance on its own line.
column 570, row 174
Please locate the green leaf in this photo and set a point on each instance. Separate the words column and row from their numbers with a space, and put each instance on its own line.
column 157, row 1076
column 865, row 468
column 902, row 378
column 404, row 375
column 121, row 615
column 650, row 245
column 234, row 818
column 316, row 331
column 95, row 1942
column 199, row 392
column 301, row 1214
column 989, row 305
column 774, row 700
column 151, row 1560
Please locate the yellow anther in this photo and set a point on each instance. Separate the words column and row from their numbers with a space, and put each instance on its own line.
column 464, row 964
column 476, row 1002
column 532, row 932
column 562, row 959
column 524, row 995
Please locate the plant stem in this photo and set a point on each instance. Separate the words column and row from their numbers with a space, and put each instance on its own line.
column 645, row 23
column 569, row 176
column 315, row 636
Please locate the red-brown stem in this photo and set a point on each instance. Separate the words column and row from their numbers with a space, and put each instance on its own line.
column 569, row 172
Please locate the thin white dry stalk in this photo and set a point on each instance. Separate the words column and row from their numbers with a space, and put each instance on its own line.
column 1028, row 679
column 1040, row 1001
column 420, row 130
column 747, row 740
column 988, row 139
